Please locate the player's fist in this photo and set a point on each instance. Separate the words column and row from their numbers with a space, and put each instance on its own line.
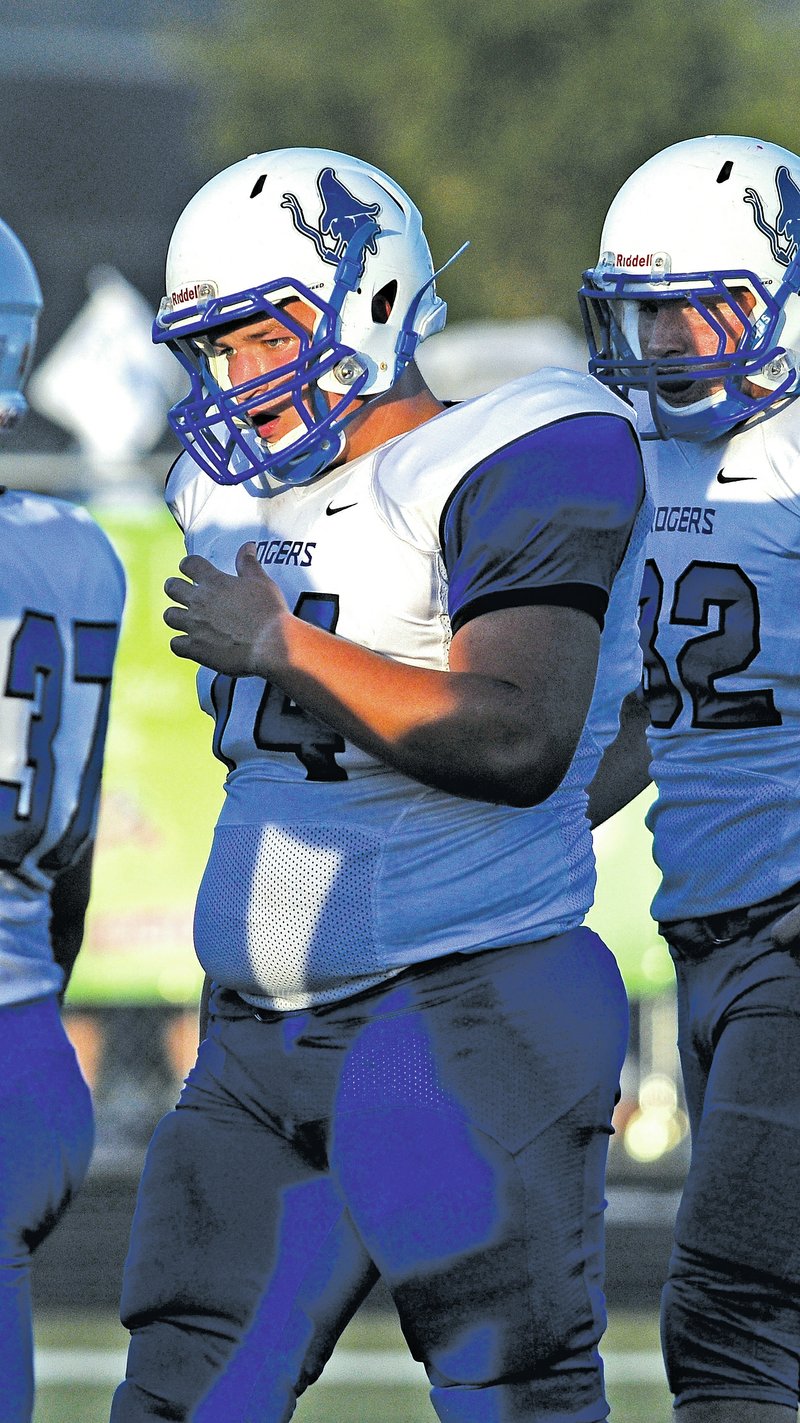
column 229, row 622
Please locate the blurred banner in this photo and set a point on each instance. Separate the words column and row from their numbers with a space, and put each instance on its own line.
column 162, row 789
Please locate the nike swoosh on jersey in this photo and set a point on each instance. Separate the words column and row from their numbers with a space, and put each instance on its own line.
column 733, row 478
column 340, row 508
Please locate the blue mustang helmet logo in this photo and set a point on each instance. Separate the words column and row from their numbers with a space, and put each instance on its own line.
column 784, row 236
column 341, row 217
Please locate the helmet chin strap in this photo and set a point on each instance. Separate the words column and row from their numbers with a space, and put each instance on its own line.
column 308, row 465
column 679, row 422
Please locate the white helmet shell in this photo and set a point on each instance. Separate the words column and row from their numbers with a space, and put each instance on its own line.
column 289, row 215
column 705, row 219
column 20, row 305
column 304, row 222
column 698, row 201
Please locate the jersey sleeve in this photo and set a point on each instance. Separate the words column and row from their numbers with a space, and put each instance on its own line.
column 186, row 491
column 546, row 519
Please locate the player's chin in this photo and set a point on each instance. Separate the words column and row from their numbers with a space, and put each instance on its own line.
column 678, row 393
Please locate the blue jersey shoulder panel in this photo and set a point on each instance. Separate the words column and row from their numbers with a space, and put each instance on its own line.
column 546, row 518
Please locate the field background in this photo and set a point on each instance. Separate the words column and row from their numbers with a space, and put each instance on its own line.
column 80, row 1358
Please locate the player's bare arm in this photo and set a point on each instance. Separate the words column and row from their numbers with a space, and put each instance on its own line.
column 69, row 899
column 625, row 768
column 501, row 725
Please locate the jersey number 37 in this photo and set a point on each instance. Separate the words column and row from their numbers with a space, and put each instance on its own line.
column 36, row 674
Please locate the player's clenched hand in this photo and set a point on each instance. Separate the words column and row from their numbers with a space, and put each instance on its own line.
column 232, row 623
column 786, row 931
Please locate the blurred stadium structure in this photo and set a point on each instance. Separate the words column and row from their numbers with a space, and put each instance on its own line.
column 99, row 157
column 120, row 385
column 470, row 357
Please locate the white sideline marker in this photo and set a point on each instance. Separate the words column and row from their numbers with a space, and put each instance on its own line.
column 348, row 1366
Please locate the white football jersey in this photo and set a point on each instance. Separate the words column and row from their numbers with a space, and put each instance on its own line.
column 721, row 647
column 61, row 597
column 329, row 870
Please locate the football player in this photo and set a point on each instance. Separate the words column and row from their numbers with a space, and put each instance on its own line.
column 61, row 599
column 399, row 610
column 694, row 310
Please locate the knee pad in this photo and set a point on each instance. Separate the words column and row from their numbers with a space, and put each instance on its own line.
column 728, row 1332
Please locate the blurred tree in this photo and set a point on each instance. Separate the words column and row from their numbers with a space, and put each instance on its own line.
column 512, row 125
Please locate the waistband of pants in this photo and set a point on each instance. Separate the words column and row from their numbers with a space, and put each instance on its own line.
column 423, row 968
column 694, row 938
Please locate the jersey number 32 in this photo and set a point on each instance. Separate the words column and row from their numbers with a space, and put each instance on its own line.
column 704, row 659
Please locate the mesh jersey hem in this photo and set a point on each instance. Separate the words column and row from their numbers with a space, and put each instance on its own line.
column 753, row 853
column 301, row 1001
column 353, row 988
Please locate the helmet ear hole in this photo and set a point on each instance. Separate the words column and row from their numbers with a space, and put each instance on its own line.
column 382, row 303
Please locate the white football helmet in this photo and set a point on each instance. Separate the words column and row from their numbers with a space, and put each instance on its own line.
column 20, row 304
column 702, row 222
column 310, row 224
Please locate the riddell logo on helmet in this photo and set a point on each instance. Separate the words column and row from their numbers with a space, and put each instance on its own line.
column 196, row 292
column 633, row 260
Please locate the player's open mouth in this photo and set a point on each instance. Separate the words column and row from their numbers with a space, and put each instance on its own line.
column 265, row 422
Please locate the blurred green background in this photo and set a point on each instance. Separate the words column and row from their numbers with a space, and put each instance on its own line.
column 511, row 125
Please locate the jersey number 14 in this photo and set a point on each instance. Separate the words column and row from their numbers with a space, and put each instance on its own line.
column 280, row 724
